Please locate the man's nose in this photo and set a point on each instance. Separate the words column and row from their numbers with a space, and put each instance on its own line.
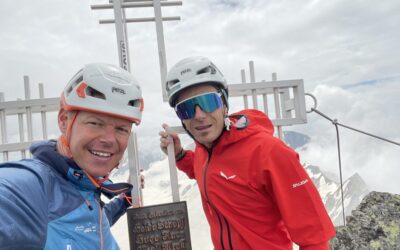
column 199, row 113
column 108, row 134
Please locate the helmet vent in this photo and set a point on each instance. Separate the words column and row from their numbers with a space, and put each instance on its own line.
column 74, row 83
column 172, row 83
column 95, row 93
column 207, row 69
column 134, row 103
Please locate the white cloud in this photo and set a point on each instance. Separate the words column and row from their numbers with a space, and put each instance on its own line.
column 369, row 108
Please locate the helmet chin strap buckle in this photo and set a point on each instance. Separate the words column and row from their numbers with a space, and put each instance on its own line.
column 228, row 123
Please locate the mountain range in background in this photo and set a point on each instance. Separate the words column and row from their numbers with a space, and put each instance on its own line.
column 354, row 190
column 157, row 191
column 328, row 185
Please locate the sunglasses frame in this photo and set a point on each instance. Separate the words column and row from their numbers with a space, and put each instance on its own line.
column 219, row 94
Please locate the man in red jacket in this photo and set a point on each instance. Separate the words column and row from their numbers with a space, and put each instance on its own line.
column 254, row 191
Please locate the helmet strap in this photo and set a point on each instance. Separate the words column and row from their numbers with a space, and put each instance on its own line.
column 64, row 139
column 224, row 97
column 227, row 123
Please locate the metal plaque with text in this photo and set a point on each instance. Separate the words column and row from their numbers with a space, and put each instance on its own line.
column 159, row 227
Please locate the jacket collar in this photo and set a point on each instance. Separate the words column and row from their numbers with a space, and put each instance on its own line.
column 244, row 124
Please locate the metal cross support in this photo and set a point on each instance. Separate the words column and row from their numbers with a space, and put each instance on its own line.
column 287, row 96
column 24, row 108
column 123, row 52
column 172, row 163
column 120, row 27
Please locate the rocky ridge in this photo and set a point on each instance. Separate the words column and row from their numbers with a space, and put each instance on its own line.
column 375, row 224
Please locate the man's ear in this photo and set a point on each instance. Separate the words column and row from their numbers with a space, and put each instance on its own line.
column 63, row 120
column 225, row 110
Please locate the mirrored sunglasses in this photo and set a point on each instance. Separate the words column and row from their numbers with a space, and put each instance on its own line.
column 208, row 102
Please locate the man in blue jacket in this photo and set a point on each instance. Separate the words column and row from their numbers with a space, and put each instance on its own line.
column 53, row 200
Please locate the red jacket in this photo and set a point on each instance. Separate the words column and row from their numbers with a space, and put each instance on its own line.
column 254, row 191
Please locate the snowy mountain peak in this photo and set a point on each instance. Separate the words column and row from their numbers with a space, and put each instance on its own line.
column 354, row 189
column 356, row 180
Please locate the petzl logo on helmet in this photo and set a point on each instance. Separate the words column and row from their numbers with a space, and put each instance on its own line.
column 185, row 71
column 118, row 90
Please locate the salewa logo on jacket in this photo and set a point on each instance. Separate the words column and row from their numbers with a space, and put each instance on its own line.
column 226, row 177
column 301, row 183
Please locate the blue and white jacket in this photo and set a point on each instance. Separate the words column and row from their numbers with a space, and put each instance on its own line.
column 49, row 203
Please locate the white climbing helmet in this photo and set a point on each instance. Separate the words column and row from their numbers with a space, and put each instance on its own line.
column 104, row 88
column 192, row 71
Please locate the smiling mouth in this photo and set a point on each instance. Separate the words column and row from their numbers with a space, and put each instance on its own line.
column 100, row 154
column 200, row 128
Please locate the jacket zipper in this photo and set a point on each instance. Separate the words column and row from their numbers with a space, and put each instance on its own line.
column 99, row 203
column 101, row 227
column 216, row 211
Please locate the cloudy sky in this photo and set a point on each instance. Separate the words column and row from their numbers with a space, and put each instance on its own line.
column 346, row 52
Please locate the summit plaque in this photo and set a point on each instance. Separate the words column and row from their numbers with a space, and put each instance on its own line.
column 159, row 227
